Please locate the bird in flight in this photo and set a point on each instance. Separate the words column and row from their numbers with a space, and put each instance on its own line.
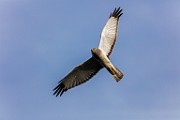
column 100, row 58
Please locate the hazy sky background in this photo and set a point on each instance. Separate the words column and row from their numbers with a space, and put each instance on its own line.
column 41, row 41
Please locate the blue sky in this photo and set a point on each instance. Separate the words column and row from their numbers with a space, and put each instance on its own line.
column 41, row 41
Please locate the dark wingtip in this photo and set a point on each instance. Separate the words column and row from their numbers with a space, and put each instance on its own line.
column 59, row 89
column 116, row 13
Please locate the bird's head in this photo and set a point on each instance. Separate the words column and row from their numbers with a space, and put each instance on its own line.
column 96, row 52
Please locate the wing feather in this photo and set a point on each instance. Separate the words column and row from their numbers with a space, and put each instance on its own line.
column 109, row 32
column 77, row 76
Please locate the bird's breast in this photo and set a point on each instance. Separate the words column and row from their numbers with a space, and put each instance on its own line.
column 100, row 56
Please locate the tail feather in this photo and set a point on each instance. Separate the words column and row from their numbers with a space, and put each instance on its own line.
column 118, row 75
column 115, row 72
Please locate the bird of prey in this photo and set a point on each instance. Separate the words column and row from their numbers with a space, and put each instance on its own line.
column 100, row 58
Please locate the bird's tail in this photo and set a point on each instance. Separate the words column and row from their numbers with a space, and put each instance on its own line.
column 116, row 73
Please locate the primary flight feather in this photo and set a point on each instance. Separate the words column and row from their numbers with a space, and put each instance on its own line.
column 99, row 59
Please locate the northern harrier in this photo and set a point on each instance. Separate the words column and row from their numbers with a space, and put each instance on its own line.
column 99, row 59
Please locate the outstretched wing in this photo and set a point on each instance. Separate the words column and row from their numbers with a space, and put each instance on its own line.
column 108, row 35
column 77, row 76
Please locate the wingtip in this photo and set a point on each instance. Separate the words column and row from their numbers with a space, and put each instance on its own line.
column 116, row 13
column 59, row 90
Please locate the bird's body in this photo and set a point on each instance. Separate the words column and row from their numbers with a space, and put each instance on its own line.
column 99, row 59
column 105, row 62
